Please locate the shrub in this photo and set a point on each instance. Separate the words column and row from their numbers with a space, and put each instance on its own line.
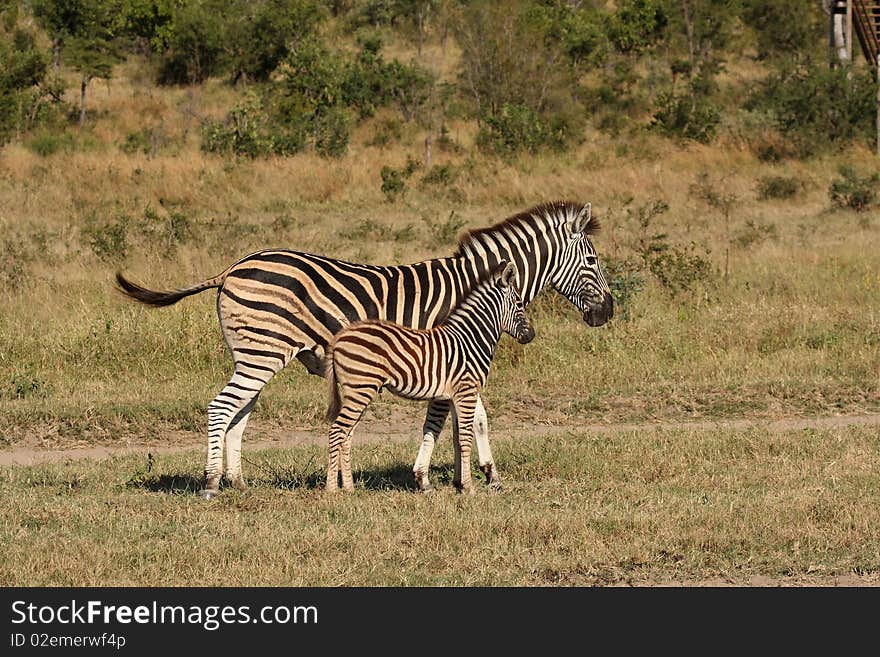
column 192, row 43
column 108, row 241
column 636, row 24
column 248, row 130
column 687, row 116
column 49, row 143
column 853, row 191
column 754, row 233
column 677, row 269
column 331, row 130
column 444, row 232
column 626, row 280
column 816, row 107
column 241, row 133
column 387, row 131
column 440, row 175
column 394, row 180
column 778, row 187
column 28, row 96
column 515, row 128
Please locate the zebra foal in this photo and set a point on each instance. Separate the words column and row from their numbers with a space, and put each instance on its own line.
column 450, row 362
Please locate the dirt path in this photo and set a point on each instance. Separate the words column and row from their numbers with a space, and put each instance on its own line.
column 387, row 431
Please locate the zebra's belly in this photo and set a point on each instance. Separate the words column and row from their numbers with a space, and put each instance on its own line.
column 419, row 394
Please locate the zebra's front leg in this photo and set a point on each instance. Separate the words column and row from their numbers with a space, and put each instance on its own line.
column 435, row 418
column 465, row 401
column 484, row 452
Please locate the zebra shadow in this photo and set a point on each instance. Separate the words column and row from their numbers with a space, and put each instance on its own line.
column 399, row 477
column 177, row 483
column 396, row 477
column 388, row 478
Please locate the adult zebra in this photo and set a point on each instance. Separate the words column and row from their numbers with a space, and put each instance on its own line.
column 277, row 305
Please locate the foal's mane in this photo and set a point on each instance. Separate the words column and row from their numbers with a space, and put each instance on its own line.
column 547, row 212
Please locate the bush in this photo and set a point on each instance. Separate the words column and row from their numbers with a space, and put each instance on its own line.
column 816, row 107
column 27, row 95
column 515, row 128
column 192, row 43
column 510, row 55
column 247, row 131
column 440, row 175
column 854, row 192
column 394, row 180
column 678, row 269
column 778, row 187
column 331, row 133
column 754, row 233
column 626, row 280
column 444, row 232
column 49, row 143
column 109, row 241
column 636, row 25
column 687, row 116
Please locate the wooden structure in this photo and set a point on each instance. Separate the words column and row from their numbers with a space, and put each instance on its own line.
column 862, row 18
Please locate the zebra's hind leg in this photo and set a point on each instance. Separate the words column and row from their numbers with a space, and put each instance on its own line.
column 438, row 410
column 484, row 451
column 354, row 403
column 227, row 417
column 233, row 445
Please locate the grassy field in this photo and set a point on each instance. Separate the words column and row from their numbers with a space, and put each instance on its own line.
column 685, row 506
column 773, row 311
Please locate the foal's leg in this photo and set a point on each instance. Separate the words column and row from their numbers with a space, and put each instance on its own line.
column 465, row 401
column 354, row 403
column 435, row 418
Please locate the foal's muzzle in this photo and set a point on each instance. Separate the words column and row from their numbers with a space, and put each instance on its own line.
column 597, row 314
column 526, row 335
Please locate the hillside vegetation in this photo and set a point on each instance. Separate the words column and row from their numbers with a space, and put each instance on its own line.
column 730, row 167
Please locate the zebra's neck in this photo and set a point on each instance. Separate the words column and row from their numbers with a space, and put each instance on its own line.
column 533, row 244
column 476, row 323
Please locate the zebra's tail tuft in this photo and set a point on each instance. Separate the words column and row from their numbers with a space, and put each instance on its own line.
column 334, row 405
column 159, row 298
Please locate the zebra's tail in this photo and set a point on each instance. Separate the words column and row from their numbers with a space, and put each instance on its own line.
column 334, row 405
column 159, row 298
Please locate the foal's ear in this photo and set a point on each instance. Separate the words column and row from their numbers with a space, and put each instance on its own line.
column 581, row 222
column 508, row 275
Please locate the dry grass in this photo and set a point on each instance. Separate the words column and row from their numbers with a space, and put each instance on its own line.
column 578, row 509
column 793, row 330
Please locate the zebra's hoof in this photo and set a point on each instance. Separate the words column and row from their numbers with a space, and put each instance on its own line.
column 426, row 489
column 496, row 486
column 239, row 485
column 208, row 494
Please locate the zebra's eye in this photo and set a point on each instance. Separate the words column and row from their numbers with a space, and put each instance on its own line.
column 591, row 260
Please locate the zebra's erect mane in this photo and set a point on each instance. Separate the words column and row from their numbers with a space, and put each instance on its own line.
column 552, row 211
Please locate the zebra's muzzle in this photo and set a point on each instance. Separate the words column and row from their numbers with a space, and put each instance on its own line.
column 597, row 314
column 526, row 335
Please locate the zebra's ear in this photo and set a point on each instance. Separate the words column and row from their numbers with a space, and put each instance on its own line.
column 580, row 223
column 508, row 275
